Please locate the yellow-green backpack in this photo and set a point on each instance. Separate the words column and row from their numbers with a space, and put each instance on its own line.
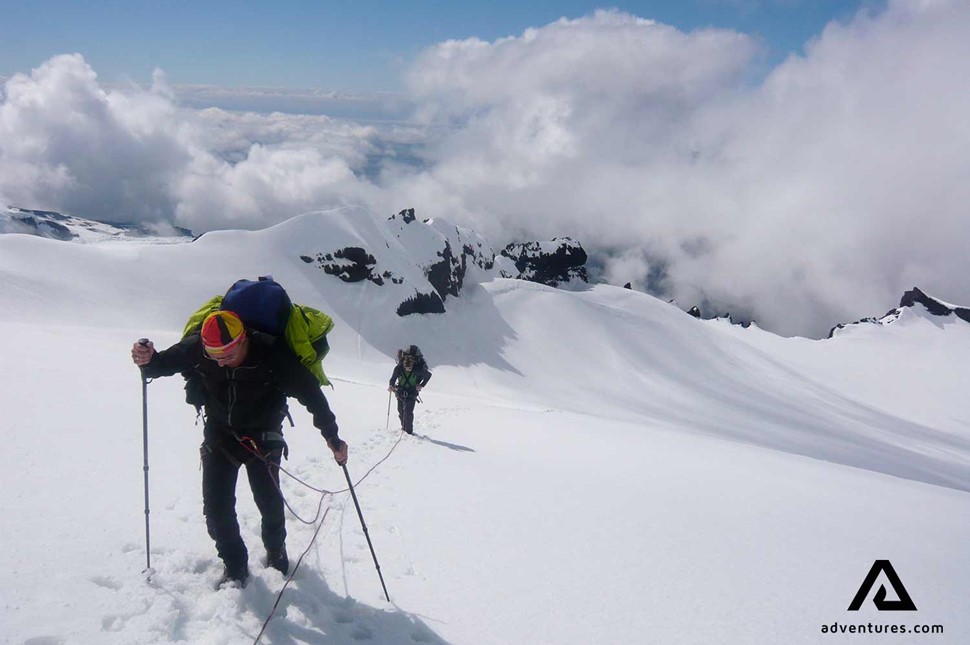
column 263, row 305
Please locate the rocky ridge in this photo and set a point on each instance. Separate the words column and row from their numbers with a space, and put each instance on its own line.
column 911, row 299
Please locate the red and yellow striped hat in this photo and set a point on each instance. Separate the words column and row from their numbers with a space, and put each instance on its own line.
column 222, row 331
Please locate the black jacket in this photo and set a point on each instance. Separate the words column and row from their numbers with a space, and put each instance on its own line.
column 401, row 380
column 252, row 396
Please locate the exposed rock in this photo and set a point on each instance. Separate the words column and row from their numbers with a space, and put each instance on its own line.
column 30, row 224
column 444, row 253
column 421, row 303
column 350, row 264
column 911, row 298
column 934, row 306
column 744, row 323
column 433, row 260
column 555, row 263
column 406, row 215
column 425, row 263
column 447, row 274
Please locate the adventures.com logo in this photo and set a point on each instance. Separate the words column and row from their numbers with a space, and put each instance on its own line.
column 900, row 601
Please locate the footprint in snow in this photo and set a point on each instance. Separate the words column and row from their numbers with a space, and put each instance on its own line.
column 114, row 623
column 107, row 583
column 362, row 634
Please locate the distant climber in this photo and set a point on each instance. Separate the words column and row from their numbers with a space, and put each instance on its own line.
column 409, row 377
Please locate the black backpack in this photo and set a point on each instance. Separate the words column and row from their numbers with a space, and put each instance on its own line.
column 415, row 354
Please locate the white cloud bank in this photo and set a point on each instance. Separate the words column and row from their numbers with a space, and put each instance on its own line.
column 813, row 196
column 131, row 154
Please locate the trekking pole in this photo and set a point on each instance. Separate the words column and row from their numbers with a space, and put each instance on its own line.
column 387, row 424
column 366, row 535
column 144, row 423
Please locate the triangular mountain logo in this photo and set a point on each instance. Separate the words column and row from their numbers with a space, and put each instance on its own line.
column 905, row 603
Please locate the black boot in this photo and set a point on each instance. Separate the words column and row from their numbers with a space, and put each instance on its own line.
column 277, row 559
column 234, row 575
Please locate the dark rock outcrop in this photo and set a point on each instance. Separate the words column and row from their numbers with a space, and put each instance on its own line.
column 407, row 215
column 916, row 296
column 457, row 250
column 911, row 298
column 421, row 303
column 435, row 261
column 350, row 264
column 744, row 323
column 39, row 226
column 561, row 262
column 447, row 275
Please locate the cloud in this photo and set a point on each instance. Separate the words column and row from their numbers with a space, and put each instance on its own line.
column 609, row 94
column 131, row 154
column 361, row 106
column 66, row 141
column 813, row 196
column 842, row 173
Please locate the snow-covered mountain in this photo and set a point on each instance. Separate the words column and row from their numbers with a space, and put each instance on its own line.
column 912, row 299
column 593, row 465
column 418, row 264
column 57, row 226
column 422, row 262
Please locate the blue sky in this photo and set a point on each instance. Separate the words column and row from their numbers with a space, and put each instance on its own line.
column 344, row 45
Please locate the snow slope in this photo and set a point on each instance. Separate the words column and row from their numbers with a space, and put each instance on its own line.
column 594, row 466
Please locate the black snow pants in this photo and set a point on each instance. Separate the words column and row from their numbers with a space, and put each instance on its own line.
column 221, row 460
column 405, row 408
